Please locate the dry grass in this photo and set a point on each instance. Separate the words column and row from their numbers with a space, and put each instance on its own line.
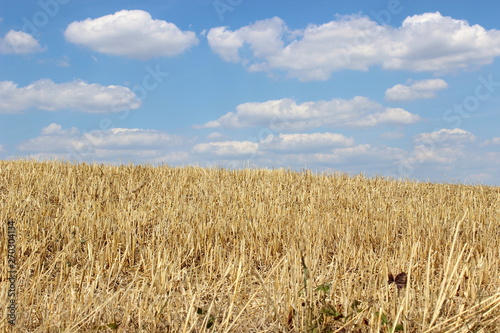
column 162, row 249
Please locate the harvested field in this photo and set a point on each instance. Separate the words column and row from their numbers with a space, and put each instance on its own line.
column 187, row 249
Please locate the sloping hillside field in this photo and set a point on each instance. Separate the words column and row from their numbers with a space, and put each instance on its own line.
column 163, row 249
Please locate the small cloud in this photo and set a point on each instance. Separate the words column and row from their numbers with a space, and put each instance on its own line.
column 493, row 141
column 444, row 146
column 418, row 90
column 100, row 144
column 75, row 95
column 56, row 129
column 64, row 62
column 478, row 178
column 131, row 33
column 18, row 42
column 388, row 116
column 286, row 114
column 216, row 136
column 359, row 154
column 445, row 136
column 232, row 149
column 437, row 154
column 306, row 143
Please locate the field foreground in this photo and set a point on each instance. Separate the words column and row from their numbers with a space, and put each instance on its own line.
column 162, row 249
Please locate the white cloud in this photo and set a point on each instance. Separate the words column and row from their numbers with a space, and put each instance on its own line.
column 306, row 143
column 54, row 141
column 478, row 178
column 356, row 158
column 18, row 42
column 75, row 95
column 56, row 129
column 131, row 33
column 225, row 43
column 2, row 149
column 444, row 146
column 443, row 136
column 64, row 62
column 430, row 84
column 449, row 154
column 437, row 154
column 417, row 90
column 423, row 43
column 388, row 116
column 359, row 154
column 286, row 114
column 493, row 141
column 119, row 138
column 216, row 136
column 226, row 149
column 297, row 150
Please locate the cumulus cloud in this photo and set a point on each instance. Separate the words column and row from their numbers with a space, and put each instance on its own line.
column 225, row 43
column 56, row 129
column 131, row 33
column 359, row 154
column 423, row 43
column 296, row 150
column 417, row 90
column 492, row 141
column 449, row 151
column 355, row 158
column 18, row 42
column 305, row 143
column 444, row 155
column 444, row 146
column 479, row 178
column 446, row 136
column 286, row 114
column 263, row 37
column 75, row 95
column 124, row 138
column 54, row 141
column 234, row 149
column 216, row 136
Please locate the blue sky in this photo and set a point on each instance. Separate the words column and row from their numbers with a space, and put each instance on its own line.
column 391, row 88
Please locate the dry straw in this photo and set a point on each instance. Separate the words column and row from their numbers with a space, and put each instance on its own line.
column 162, row 249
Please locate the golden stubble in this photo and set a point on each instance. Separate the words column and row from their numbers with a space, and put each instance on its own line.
column 188, row 249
